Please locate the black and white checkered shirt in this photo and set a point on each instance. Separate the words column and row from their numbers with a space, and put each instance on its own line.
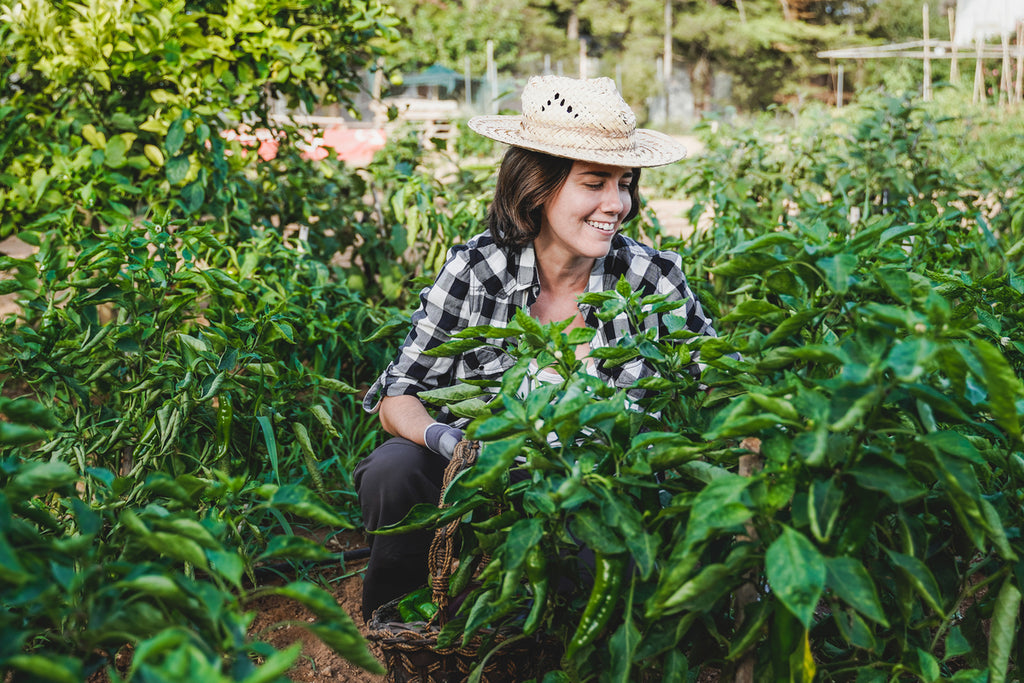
column 483, row 284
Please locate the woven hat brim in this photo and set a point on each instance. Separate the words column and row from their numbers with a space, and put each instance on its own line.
column 652, row 148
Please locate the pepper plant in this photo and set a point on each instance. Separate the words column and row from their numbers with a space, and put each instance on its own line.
column 835, row 498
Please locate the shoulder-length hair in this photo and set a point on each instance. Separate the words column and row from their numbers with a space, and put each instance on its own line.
column 526, row 180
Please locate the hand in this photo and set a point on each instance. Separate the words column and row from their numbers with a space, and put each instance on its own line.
column 442, row 439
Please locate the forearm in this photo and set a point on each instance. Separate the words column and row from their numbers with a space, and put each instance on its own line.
column 404, row 416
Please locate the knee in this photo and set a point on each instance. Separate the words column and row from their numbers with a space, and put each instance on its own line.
column 394, row 477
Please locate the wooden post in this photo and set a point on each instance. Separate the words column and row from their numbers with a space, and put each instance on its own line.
column 927, row 89
column 468, row 83
column 492, row 78
column 583, row 58
column 1004, row 72
column 954, row 68
column 667, row 66
column 839, row 86
column 979, row 72
column 1020, row 61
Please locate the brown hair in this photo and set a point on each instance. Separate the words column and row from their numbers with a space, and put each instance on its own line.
column 526, row 180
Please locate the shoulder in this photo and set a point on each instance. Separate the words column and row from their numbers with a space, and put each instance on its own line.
column 644, row 267
column 479, row 264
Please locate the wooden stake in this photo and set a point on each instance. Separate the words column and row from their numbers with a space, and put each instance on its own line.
column 927, row 90
column 954, row 69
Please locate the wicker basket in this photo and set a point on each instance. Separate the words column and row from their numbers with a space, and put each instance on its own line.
column 410, row 650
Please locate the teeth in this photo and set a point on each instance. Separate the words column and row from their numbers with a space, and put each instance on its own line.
column 603, row 227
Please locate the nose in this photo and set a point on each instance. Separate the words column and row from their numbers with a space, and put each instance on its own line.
column 614, row 200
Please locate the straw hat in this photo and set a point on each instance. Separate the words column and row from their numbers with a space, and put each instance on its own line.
column 580, row 119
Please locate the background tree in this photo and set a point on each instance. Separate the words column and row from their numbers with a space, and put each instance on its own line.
column 111, row 111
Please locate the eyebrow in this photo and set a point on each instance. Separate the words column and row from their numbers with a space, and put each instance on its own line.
column 606, row 174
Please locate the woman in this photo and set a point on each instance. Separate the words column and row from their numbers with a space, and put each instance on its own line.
column 565, row 186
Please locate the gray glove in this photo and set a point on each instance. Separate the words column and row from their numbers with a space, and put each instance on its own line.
column 442, row 439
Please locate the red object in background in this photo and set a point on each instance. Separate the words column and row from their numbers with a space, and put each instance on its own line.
column 355, row 146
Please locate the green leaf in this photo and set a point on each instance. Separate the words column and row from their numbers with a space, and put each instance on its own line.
column 886, row 478
column 175, row 136
column 849, row 580
column 920, row 578
column 294, row 548
column 452, row 394
column 746, row 264
column 176, row 169
column 824, row 501
column 228, row 564
column 796, row 572
column 48, row 667
column 592, row 531
column 699, row 594
column 1003, row 387
column 622, row 645
column 454, row 347
column 299, row 500
column 39, row 478
column 267, row 427
column 220, row 280
column 1003, row 630
column 927, row 666
column 839, row 271
column 494, row 462
column 11, row 568
column 334, row 626
column 956, row 644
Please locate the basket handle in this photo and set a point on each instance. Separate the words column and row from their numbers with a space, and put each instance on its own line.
column 441, row 556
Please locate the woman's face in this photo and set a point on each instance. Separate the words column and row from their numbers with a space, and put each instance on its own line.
column 585, row 213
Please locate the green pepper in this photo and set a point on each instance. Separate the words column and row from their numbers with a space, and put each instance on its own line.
column 604, row 597
column 537, row 575
column 416, row 606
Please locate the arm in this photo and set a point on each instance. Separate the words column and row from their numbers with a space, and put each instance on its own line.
column 405, row 416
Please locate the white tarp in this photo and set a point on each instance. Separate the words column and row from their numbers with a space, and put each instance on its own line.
column 986, row 19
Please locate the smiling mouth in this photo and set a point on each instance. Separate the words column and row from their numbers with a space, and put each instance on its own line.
column 606, row 228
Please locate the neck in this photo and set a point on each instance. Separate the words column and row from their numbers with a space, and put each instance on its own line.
column 561, row 272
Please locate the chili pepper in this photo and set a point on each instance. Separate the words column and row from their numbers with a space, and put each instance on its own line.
column 537, row 575
column 604, row 597
column 225, row 418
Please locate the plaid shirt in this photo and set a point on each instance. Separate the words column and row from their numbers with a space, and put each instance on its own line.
column 482, row 284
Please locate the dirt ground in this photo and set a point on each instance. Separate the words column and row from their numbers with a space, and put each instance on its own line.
column 317, row 663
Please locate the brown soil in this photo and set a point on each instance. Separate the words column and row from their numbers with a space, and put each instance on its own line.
column 317, row 663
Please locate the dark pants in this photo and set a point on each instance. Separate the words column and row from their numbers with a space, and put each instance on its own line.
column 389, row 481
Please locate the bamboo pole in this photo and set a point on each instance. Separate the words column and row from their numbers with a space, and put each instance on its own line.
column 954, row 68
column 927, row 89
